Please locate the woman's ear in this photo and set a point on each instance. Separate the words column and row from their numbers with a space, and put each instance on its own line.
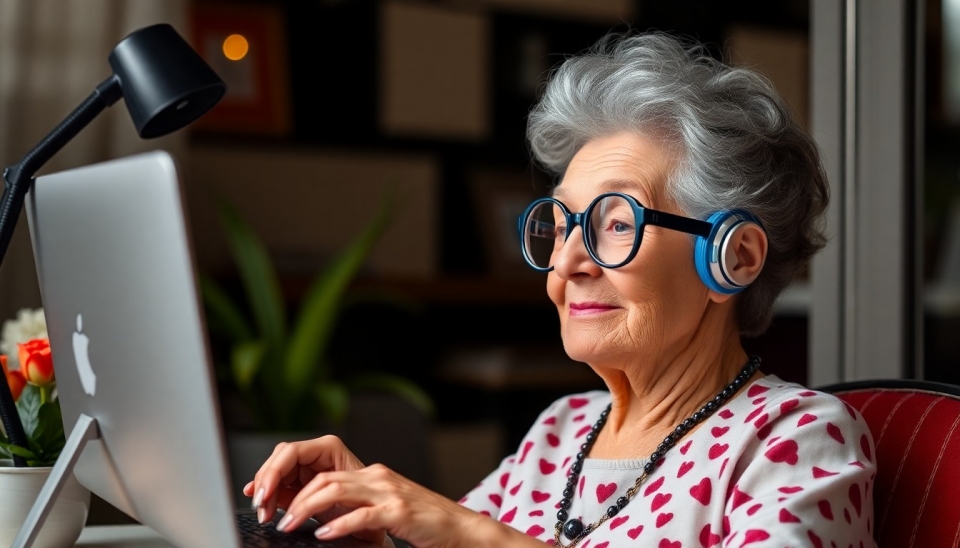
column 746, row 252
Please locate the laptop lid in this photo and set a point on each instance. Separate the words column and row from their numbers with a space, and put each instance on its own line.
column 117, row 280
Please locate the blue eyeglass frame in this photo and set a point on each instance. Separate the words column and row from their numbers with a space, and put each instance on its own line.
column 644, row 216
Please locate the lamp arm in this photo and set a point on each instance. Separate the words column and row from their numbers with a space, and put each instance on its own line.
column 18, row 179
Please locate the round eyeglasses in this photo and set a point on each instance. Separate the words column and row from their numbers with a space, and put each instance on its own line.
column 612, row 227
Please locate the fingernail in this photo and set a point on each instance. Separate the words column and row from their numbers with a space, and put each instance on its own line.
column 261, row 515
column 258, row 498
column 321, row 532
column 284, row 522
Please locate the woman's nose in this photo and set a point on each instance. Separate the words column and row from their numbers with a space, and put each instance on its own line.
column 573, row 259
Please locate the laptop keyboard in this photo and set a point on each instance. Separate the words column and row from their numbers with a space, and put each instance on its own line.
column 255, row 535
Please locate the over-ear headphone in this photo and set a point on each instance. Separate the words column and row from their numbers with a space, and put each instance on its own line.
column 713, row 255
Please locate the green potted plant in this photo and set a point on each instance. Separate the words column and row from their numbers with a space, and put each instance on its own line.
column 28, row 368
column 279, row 369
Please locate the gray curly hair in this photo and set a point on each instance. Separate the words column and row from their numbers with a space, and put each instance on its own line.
column 738, row 145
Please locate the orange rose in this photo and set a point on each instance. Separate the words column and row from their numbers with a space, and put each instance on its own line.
column 3, row 362
column 36, row 363
column 17, row 382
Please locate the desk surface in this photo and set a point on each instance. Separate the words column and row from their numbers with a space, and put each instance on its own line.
column 117, row 536
column 141, row 536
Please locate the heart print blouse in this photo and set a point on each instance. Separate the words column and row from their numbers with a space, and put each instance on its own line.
column 778, row 465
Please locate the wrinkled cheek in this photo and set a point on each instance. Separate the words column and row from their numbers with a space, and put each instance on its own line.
column 555, row 290
column 645, row 326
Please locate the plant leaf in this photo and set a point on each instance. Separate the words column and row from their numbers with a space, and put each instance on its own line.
column 49, row 435
column 257, row 273
column 401, row 387
column 36, row 449
column 3, row 442
column 223, row 314
column 18, row 451
column 245, row 360
column 317, row 316
column 334, row 400
column 28, row 406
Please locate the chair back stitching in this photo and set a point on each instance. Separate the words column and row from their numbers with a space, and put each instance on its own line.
column 867, row 403
column 956, row 538
column 896, row 479
column 889, row 418
column 933, row 473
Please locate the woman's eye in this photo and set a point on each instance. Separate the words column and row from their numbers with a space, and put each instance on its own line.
column 620, row 227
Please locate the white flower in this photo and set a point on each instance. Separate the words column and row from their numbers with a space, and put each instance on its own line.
column 30, row 324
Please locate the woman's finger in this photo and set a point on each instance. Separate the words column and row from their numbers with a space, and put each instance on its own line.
column 260, row 478
column 350, row 488
column 318, row 455
column 353, row 523
column 271, row 475
column 323, row 493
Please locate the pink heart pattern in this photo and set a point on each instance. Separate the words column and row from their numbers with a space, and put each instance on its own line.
column 547, row 467
column 717, row 450
column 604, row 491
column 740, row 475
column 539, row 496
column 659, row 501
column 708, row 538
column 784, row 451
column 834, row 432
column 701, row 492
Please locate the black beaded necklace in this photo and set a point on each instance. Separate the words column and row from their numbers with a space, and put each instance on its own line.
column 574, row 529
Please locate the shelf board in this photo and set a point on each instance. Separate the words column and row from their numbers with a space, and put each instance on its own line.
column 939, row 299
column 468, row 291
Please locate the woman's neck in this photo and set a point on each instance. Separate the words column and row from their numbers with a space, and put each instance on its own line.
column 656, row 392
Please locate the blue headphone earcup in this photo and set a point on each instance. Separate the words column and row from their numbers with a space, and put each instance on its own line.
column 709, row 256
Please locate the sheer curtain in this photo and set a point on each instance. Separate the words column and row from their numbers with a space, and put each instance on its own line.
column 52, row 55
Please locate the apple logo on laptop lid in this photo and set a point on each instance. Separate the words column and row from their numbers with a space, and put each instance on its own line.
column 81, row 357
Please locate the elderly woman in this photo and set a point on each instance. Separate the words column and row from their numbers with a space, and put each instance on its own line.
column 687, row 200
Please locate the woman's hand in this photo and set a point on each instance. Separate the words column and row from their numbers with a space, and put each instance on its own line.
column 321, row 478
column 291, row 467
column 381, row 499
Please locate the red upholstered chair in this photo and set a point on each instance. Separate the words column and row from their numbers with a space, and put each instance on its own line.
column 916, row 429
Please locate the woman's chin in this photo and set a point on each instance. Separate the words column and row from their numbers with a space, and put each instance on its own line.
column 583, row 349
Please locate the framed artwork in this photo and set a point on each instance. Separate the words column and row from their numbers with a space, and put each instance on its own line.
column 245, row 44
column 500, row 195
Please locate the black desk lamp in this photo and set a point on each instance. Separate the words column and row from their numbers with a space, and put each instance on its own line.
column 165, row 86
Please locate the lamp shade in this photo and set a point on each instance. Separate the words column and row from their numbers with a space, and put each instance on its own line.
column 165, row 83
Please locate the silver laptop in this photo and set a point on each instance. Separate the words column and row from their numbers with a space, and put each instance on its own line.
column 117, row 278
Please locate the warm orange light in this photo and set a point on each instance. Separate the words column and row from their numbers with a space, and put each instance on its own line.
column 235, row 47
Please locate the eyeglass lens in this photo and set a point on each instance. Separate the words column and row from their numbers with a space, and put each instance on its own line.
column 610, row 227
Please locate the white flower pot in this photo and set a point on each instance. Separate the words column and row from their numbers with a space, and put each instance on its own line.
column 19, row 488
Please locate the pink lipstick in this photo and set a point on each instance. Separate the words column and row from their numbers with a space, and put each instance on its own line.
column 587, row 308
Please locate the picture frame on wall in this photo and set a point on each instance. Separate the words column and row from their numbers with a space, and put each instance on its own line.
column 246, row 45
column 500, row 196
